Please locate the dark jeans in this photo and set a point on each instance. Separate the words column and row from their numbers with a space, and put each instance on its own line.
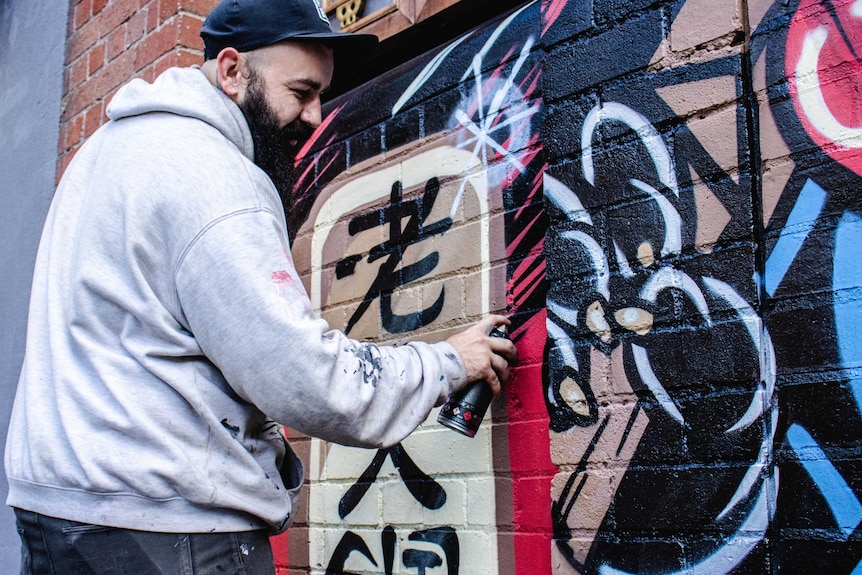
column 52, row 546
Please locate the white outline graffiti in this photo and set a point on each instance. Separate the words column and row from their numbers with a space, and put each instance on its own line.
column 758, row 487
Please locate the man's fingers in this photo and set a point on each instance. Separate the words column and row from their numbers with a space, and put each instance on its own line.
column 494, row 382
column 500, row 367
column 486, row 357
column 492, row 321
column 504, row 347
column 498, row 374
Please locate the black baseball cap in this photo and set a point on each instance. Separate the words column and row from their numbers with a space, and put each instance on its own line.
column 249, row 24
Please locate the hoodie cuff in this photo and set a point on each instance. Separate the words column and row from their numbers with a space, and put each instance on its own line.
column 453, row 369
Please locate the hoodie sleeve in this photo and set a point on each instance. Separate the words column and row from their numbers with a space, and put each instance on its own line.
column 243, row 301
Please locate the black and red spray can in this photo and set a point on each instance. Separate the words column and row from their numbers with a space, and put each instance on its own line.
column 464, row 410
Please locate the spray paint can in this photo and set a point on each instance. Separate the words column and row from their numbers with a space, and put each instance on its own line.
column 464, row 410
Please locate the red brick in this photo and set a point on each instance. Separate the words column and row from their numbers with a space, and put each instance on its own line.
column 156, row 44
column 73, row 130
column 186, row 58
column 115, row 14
column 82, row 12
column 148, row 74
column 116, row 42
column 78, row 71
column 117, row 72
column 175, row 58
column 76, row 135
column 98, row 5
column 67, row 79
column 63, row 163
column 198, row 7
column 81, row 39
column 70, row 28
column 136, row 27
column 92, row 119
column 163, row 64
column 96, row 57
column 61, row 141
column 167, row 9
column 79, row 99
column 152, row 15
column 190, row 32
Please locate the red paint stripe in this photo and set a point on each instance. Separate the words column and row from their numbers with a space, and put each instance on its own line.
column 520, row 237
column 537, row 277
column 317, row 133
column 529, row 454
column 537, row 185
column 281, row 552
column 550, row 12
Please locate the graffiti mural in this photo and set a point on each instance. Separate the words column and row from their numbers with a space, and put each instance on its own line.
column 422, row 218
column 664, row 196
column 701, row 387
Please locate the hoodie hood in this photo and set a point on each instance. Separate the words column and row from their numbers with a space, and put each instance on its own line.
column 184, row 92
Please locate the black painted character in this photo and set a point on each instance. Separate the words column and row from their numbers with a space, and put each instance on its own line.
column 420, row 558
column 401, row 236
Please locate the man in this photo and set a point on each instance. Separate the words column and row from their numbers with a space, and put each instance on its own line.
column 169, row 335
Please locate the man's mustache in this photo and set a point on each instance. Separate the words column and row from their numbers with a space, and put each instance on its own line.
column 298, row 132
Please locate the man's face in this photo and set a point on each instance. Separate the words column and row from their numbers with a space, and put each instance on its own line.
column 281, row 102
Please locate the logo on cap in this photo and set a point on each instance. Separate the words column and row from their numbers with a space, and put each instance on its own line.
column 320, row 11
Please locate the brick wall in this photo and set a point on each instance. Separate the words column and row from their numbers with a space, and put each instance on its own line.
column 664, row 197
column 112, row 41
column 688, row 399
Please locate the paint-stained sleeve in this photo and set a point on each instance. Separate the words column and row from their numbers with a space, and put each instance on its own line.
column 244, row 303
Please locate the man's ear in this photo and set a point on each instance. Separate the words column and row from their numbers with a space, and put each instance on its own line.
column 230, row 66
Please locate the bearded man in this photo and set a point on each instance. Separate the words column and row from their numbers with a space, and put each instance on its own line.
column 169, row 336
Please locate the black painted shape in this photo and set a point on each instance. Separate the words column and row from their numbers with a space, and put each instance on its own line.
column 357, row 491
column 416, row 212
column 559, row 514
column 447, row 539
column 422, row 487
column 420, row 559
column 349, row 543
column 346, row 266
column 388, row 539
column 232, row 429
column 554, row 372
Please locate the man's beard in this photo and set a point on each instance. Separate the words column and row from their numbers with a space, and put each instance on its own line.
column 274, row 150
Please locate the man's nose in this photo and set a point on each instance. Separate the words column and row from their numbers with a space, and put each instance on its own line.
column 311, row 113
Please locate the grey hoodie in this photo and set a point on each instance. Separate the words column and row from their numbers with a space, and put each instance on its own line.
column 169, row 332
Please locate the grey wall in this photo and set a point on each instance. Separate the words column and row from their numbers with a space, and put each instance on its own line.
column 32, row 50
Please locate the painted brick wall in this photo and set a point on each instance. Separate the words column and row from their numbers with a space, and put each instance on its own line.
column 700, row 162
column 424, row 212
column 682, row 297
column 664, row 195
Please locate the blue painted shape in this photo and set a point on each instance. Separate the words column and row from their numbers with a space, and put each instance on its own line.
column 801, row 220
column 842, row 501
column 847, row 286
column 858, row 570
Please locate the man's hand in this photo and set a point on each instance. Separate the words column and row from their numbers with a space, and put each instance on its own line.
column 486, row 358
